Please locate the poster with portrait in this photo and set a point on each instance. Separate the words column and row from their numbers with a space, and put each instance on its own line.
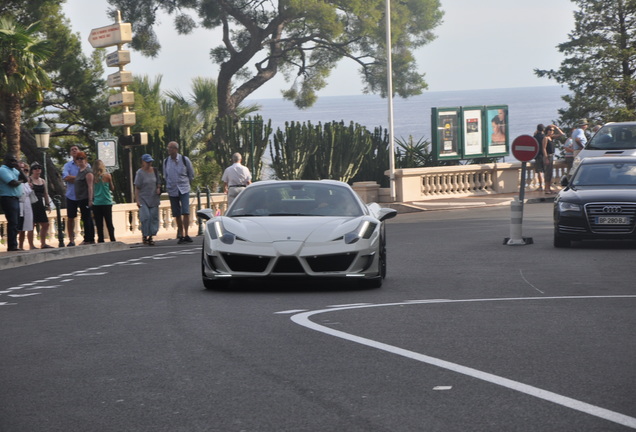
column 472, row 121
column 446, row 133
column 496, row 130
column 107, row 152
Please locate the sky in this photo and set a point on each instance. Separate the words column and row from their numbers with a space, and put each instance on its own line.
column 482, row 44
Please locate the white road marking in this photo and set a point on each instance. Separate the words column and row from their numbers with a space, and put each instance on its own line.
column 23, row 295
column 622, row 419
column 442, row 387
column 526, row 281
column 291, row 311
column 43, row 287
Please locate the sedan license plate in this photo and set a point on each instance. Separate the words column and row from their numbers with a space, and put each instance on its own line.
column 612, row 220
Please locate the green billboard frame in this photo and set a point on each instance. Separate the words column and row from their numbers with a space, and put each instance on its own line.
column 446, row 133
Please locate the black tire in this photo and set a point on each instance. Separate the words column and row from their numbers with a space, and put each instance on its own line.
column 561, row 242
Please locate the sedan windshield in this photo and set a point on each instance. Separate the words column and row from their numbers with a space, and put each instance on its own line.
column 614, row 137
column 601, row 174
column 296, row 199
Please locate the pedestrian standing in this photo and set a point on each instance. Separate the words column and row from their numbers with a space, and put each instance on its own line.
column 103, row 201
column 539, row 166
column 11, row 181
column 178, row 173
column 235, row 178
column 69, row 172
column 25, row 222
column 551, row 132
column 84, row 194
column 147, row 196
column 578, row 136
column 42, row 205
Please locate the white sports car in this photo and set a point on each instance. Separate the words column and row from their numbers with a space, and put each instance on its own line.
column 295, row 229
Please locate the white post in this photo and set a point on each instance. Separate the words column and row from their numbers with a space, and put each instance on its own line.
column 389, row 85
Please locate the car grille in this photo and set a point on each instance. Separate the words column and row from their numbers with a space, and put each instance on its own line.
column 330, row 263
column 288, row 265
column 246, row 263
column 611, row 209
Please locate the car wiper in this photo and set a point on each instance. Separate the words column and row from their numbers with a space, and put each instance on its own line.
column 288, row 214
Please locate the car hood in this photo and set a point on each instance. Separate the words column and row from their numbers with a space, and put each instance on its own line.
column 267, row 229
column 585, row 194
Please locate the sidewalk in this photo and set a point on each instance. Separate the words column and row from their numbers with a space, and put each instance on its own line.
column 16, row 259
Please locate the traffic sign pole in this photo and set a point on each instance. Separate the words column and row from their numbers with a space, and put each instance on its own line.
column 524, row 149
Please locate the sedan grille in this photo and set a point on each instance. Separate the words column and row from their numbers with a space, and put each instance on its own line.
column 246, row 263
column 330, row 263
column 598, row 212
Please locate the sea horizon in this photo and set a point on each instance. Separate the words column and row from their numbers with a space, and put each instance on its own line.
column 527, row 107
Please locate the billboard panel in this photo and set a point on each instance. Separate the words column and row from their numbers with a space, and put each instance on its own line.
column 446, row 133
column 497, row 143
column 473, row 131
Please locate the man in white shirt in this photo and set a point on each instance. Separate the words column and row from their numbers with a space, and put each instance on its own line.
column 578, row 137
column 235, row 178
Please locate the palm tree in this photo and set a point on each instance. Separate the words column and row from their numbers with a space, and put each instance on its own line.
column 21, row 73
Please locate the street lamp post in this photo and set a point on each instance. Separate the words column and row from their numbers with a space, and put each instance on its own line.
column 42, row 135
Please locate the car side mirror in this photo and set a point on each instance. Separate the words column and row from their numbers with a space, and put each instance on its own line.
column 205, row 214
column 564, row 181
column 386, row 213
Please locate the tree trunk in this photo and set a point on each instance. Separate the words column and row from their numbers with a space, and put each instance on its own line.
column 13, row 112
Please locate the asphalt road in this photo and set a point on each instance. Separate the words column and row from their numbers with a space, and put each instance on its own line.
column 465, row 335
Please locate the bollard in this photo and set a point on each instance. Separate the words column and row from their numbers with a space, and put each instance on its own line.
column 516, row 220
column 58, row 216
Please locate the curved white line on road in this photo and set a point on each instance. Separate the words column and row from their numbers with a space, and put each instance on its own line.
column 303, row 320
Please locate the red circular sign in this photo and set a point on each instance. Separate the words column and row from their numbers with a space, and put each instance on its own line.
column 525, row 148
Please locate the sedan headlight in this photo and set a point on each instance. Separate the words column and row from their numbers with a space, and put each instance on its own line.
column 218, row 231
column 364, row 230
column 567, row 207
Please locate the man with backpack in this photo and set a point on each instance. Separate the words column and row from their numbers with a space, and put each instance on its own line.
column 178, row 173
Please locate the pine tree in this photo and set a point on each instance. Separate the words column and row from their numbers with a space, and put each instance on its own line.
column 600, row 62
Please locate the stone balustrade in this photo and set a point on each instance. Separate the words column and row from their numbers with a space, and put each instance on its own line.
column 416, row 184
column 411, row 184
column 126, row 220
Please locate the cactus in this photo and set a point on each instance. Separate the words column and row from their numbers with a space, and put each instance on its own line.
column 292, row 149
column 231, row 137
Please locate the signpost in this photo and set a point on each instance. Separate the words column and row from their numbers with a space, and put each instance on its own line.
column 524, row 149
column 116, row 35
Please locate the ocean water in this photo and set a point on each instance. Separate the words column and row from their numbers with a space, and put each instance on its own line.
column 527, row 107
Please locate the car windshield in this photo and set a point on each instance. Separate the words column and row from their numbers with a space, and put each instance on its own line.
column 296, row 199
column 614, row 137
column 601, row 174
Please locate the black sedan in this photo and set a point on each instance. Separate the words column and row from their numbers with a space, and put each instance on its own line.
column 598, row 202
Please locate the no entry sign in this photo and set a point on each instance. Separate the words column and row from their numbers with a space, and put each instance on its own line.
column 525, row 148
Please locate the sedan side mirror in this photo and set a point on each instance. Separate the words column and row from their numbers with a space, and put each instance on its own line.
column 564, row 181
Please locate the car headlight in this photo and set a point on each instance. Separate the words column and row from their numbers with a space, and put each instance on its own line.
column 364, row 230
column 218, row 231
column 567, row 207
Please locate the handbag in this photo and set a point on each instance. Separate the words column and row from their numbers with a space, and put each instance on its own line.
column 33, row 197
